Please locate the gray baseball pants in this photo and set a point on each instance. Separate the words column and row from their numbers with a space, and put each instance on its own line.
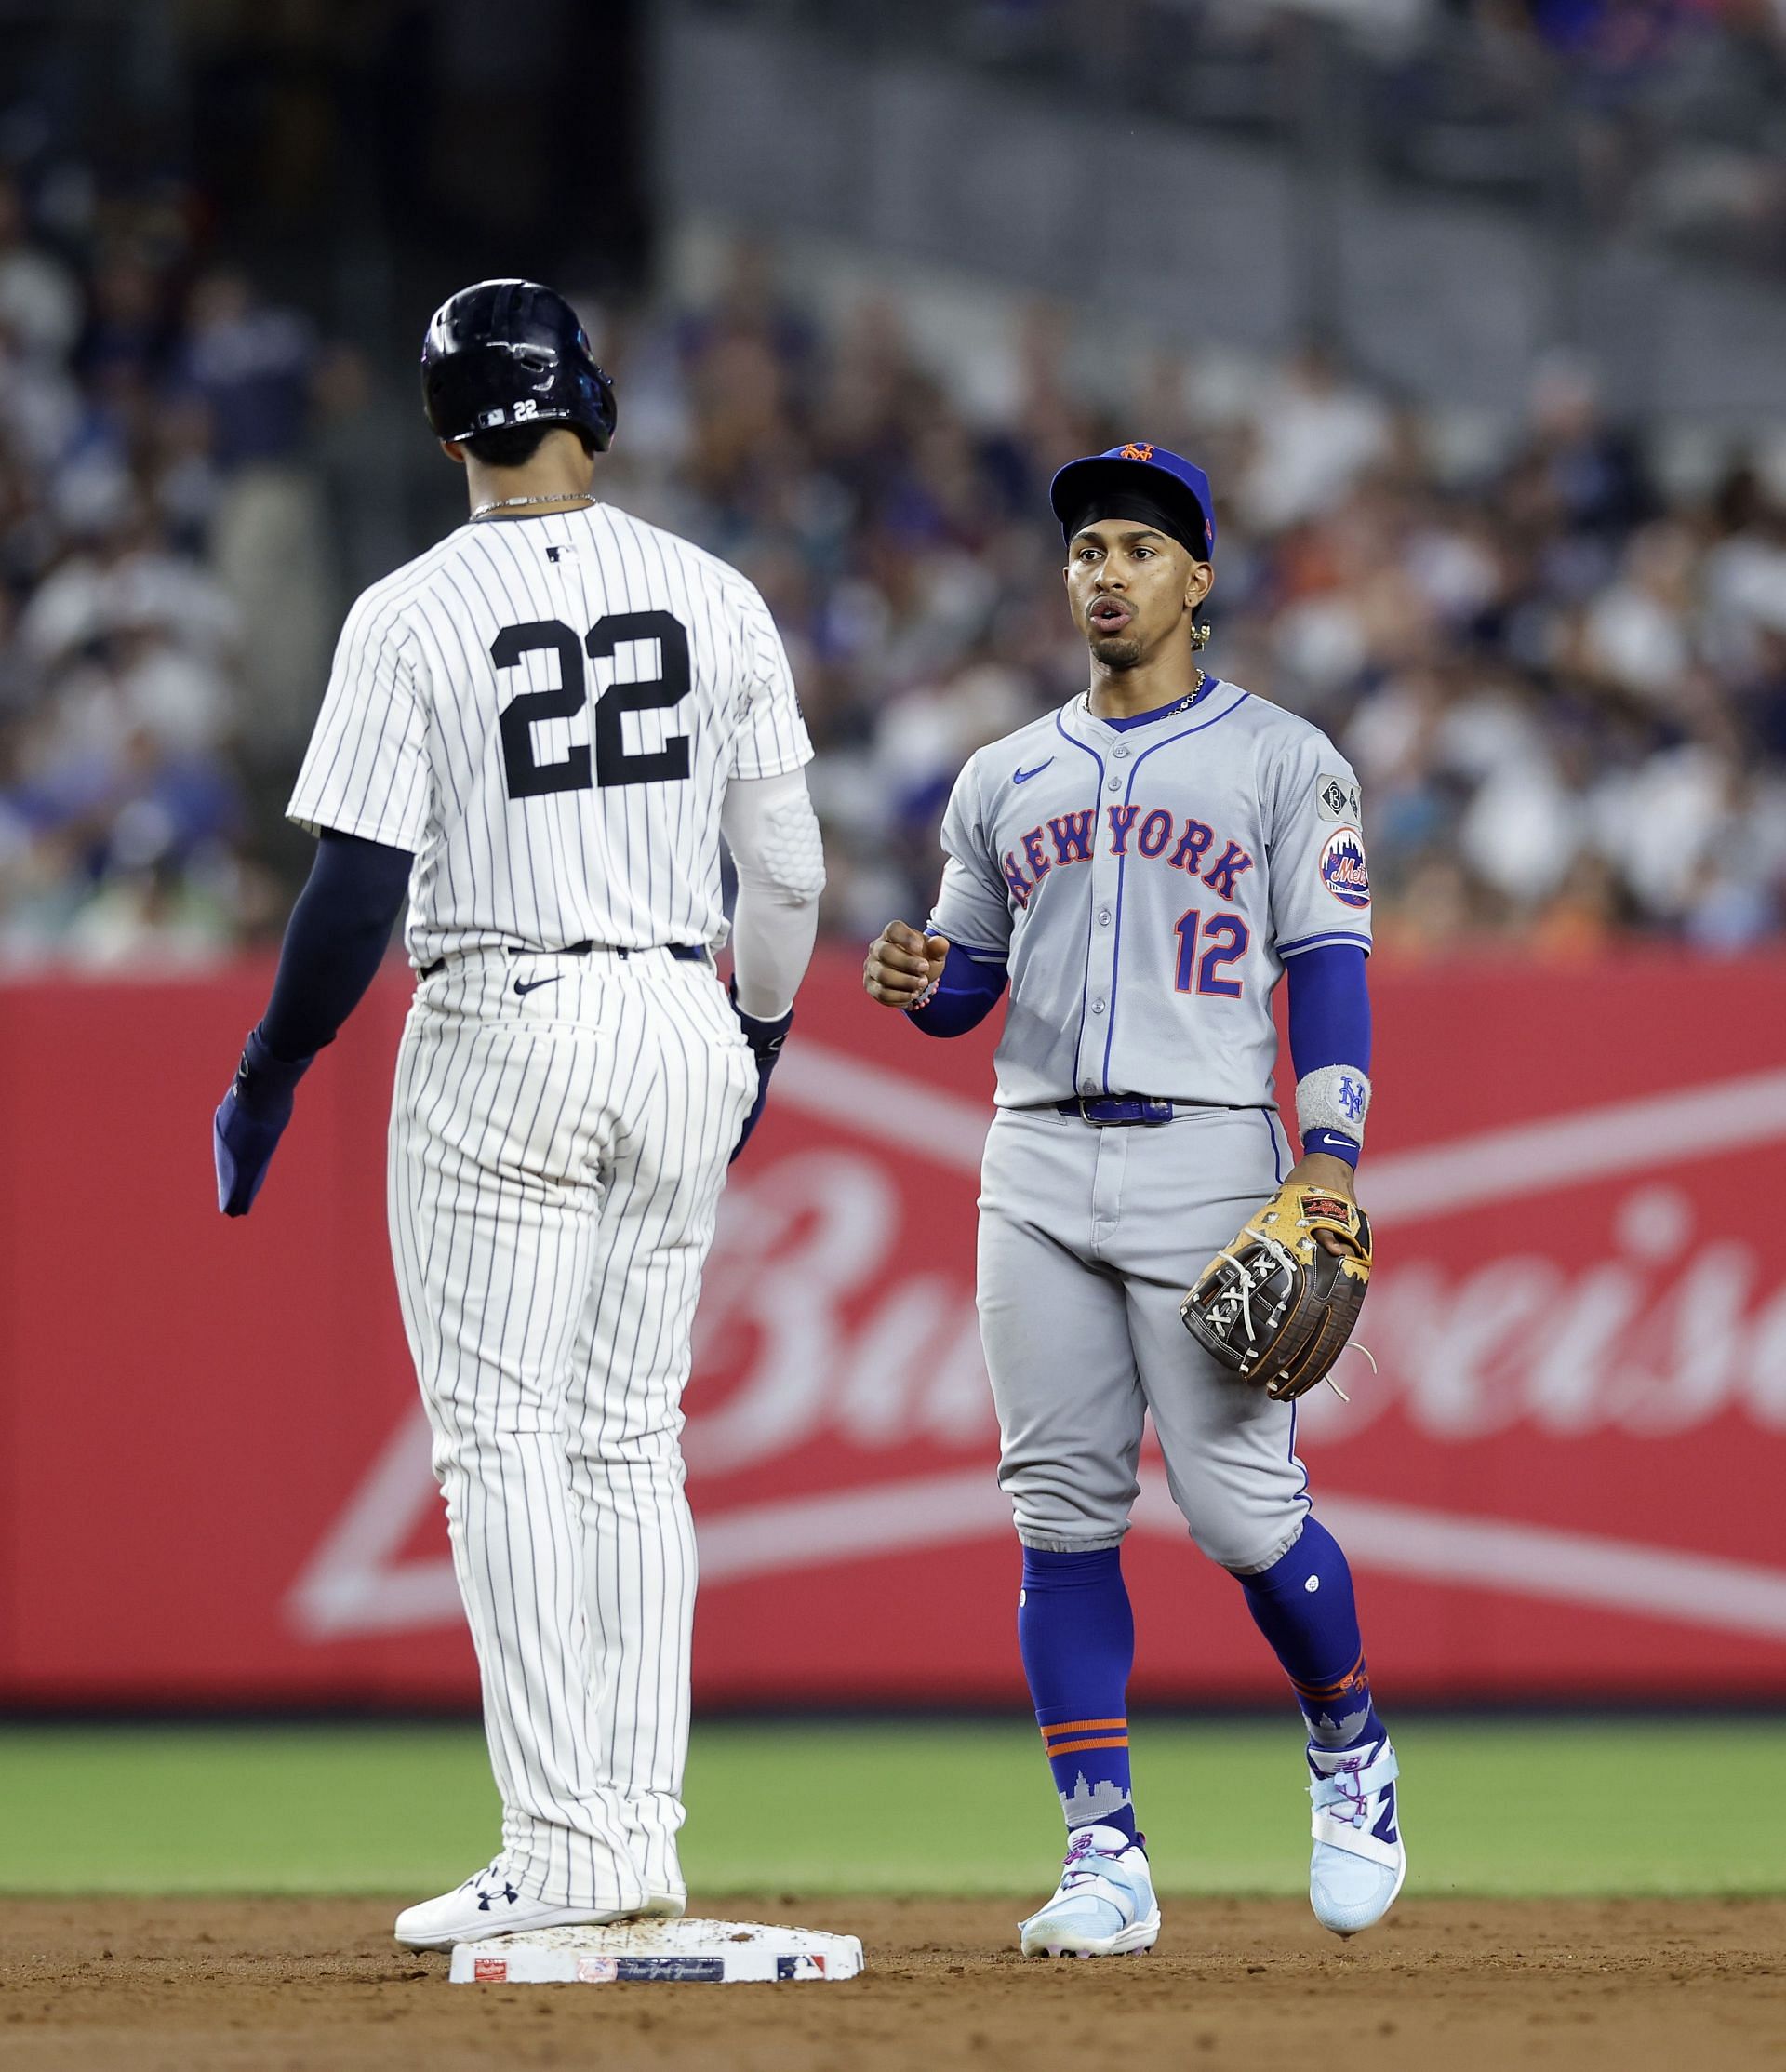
column 1089, row 1237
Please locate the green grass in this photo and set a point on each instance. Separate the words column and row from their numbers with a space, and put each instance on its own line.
column 1587, row 1807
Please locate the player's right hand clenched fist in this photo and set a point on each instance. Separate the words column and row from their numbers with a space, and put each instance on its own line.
column 903, row 963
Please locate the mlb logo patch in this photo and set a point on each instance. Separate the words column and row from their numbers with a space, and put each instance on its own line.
column 804, row 1966
column 1343, row 870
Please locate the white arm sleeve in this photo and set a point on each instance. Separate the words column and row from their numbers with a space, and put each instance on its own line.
column 773, row 833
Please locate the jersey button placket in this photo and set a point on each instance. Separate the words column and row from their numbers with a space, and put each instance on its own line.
column 1100, row 961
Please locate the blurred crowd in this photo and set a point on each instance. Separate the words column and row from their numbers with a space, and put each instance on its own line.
column 1658, row 118
column 164, row 588
column 1565, row 691
column 1562, row 684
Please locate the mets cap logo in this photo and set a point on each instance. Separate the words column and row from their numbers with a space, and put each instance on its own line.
column 1134, row 452
column 1343, row 871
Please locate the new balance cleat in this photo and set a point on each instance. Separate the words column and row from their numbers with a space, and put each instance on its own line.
column 1358, row 1862
column 491, row 1904
column 1104, row 1903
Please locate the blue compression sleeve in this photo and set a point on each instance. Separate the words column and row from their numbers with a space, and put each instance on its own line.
column 965, row 995
column 334, row 941
column 1329, row 1024
column 1330, row 1009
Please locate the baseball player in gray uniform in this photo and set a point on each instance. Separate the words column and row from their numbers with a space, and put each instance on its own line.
column 534, row 735
column 1143, row 867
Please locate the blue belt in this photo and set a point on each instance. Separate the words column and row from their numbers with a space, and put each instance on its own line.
column 1111, row 1109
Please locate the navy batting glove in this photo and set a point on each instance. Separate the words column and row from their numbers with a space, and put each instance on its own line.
column 249, row 1124
column 765, row 1040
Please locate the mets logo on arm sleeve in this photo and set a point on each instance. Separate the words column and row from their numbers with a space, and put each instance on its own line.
column 1343, row 870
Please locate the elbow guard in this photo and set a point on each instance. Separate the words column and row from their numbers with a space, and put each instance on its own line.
column 788, row 859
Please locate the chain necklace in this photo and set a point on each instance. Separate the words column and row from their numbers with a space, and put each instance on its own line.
column 1197, row 689
column 516, row 503
column 1169, row 712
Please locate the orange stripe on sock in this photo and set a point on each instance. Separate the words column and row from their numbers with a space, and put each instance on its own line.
column 1073, row 1747
column 1083, row 1727
column 1338, row 1687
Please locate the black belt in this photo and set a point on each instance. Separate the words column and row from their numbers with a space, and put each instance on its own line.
column 1109, row 1108
column 689, row 952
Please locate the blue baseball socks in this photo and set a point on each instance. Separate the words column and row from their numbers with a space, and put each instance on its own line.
column 1076, row 1635
column 1303, row 1605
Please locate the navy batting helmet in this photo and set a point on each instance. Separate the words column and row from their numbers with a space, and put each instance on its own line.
column 509, row 352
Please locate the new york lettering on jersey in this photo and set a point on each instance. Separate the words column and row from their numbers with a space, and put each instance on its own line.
column 547, row 714
column 1147, row 883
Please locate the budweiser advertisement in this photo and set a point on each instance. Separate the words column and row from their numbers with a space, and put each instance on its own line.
column 1559, row 1483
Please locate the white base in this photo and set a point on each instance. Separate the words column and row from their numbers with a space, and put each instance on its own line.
column 718, row 1953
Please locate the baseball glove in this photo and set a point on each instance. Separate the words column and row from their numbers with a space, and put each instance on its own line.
column 1276, row 1305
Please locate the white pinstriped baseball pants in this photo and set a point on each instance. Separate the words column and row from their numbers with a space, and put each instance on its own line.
column 556, row 1158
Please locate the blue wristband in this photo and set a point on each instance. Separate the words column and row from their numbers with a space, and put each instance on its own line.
column 1330, row 1144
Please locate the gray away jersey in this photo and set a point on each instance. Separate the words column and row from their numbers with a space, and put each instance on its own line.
column 1146, row 885
column 547, row 711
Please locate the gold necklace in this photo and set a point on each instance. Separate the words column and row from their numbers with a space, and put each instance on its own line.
column 1184, row 705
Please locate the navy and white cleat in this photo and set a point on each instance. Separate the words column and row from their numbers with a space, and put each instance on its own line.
column 1359, row 1862
column 490, row 1904
column 1104, row 1903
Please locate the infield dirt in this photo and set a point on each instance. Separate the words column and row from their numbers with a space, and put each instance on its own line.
column 1444, row 1986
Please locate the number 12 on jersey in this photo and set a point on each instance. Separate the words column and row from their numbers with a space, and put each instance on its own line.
column 1224, row 937
column 608, row 760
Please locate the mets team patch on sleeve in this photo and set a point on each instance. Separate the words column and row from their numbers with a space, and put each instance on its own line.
column 1343, row 871
column 1336, row 798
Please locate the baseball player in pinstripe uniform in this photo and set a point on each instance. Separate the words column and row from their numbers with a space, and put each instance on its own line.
column 536, row 732
column 1144, row 865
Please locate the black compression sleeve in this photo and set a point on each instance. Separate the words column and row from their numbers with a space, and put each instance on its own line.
column 334, row 941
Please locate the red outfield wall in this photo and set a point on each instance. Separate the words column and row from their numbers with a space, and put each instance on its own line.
column 213, row 1472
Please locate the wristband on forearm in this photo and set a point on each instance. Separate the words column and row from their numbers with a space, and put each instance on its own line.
column 264, row 1084
column 963, row 994
column 1331, row 1105
column 764, row 1038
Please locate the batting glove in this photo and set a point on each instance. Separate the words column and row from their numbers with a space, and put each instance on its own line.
column 250, row 1121
column 765, row 1040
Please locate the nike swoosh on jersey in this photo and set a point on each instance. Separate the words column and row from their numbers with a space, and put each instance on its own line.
column 532, row 985
column 1023, row 776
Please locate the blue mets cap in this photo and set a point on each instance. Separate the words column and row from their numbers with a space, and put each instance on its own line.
column 1138, row 469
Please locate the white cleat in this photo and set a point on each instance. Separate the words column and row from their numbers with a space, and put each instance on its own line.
column 491, row 1904
column 665, row 1907
column 1359, row 1861
column 1104, row 1903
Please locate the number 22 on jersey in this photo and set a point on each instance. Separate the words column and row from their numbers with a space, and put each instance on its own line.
column 608, row 760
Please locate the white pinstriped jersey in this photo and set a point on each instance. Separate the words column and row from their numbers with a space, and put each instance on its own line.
column 1146, row 884
column 547, row 712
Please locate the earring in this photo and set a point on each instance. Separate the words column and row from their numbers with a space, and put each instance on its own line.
column 1200, row 633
